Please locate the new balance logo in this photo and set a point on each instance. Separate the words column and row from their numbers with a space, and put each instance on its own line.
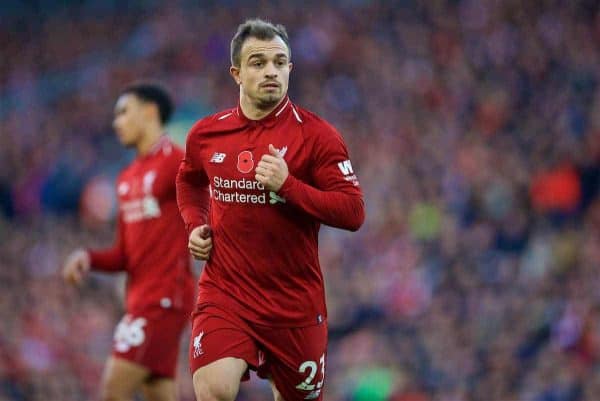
column 346, row 167
column 217, row 157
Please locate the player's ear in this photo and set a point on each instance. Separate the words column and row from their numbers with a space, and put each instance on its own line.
column 235, row 73
column 291, row 65
column 151, row 111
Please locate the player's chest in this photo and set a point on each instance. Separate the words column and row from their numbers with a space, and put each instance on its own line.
column 237, row 156
column 140, row 182
column 140, row 190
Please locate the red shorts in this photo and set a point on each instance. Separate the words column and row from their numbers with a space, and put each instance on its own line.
column 293, row 357
column 151, row 338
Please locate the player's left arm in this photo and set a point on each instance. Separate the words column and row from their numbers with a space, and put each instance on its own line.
column 335, row 199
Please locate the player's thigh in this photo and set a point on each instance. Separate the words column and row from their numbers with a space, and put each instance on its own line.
column 276, row 394
column 219, row 380
column 296, row 361
column 221, row 350
column 160, row 389
column 121, row 379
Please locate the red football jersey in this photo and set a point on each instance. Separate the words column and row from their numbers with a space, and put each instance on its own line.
column 264, row 264
column 151, row 242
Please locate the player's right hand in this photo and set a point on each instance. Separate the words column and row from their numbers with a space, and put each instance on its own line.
column 76, row 267
column 200, row 242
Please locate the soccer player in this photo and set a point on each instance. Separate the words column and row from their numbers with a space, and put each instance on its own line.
column 276, row 173
column 151, row 247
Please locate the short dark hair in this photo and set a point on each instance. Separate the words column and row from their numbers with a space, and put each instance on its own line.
column 259, row 29
column 153, row 93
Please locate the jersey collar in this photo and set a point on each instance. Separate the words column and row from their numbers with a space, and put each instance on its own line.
column 158, row 146
column 270, row 119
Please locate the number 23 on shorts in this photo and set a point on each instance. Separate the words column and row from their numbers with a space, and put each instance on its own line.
column 311, row 368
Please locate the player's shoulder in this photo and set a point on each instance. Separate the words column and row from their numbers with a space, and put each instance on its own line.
column 220, row 121
column 171, row 148
column 168, row 150
column 315, row 124
column 124, row 173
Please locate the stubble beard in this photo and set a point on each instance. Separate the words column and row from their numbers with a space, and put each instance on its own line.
column 268, row 101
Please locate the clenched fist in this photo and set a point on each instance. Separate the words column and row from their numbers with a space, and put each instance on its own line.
column 76, row 267
column 200, row 242
column 272, row 170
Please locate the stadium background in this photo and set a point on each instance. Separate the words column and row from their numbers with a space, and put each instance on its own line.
column 474, row 126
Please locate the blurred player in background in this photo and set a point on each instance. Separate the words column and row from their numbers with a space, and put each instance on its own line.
column 150, row 247
column 276, row 173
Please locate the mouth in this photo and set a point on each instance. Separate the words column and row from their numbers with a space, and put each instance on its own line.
column 270, row 85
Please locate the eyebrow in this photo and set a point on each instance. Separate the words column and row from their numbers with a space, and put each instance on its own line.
column 278, row 55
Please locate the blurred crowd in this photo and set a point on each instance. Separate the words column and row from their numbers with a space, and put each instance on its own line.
column 474, row 128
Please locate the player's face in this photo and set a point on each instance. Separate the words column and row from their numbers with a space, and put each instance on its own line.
column 264, row 71
column 129, row 119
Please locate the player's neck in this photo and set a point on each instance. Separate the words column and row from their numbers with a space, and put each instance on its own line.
column 254, row 113
column 148, row 140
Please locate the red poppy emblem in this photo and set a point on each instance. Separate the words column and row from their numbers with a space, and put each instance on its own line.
column 245, row 163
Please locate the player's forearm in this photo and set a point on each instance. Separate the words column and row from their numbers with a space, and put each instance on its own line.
column 108, row 260
column 192, row 199
column 333, row 208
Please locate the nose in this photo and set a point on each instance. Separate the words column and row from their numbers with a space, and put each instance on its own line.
column 271, row 71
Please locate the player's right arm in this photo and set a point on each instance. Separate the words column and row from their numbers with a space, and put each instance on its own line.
column 193, row 198
column 200, row 242
column 81, row 261
column 76, row 266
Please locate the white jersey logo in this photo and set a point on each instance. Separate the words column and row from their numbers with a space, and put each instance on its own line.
column 198, row 345
column 346, row 167
column 150, row 204
column 282, row 151
column 348, row 172
column 148, row 181
column 274, row 198
column 217, row 157
column 123, row 188
column 140, row 208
